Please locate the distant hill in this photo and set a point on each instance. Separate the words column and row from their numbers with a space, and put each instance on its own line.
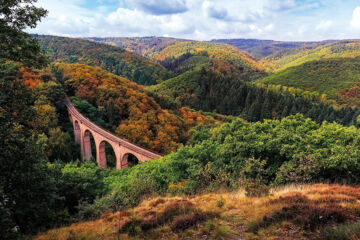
column 334, row 77
column 163, row 50
column 140, row 45
column 201, row 68
column 294, row 57
column 219, row 57
column 113, row 59
column 263, row 48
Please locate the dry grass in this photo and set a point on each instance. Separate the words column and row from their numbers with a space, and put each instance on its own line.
column 276, row 216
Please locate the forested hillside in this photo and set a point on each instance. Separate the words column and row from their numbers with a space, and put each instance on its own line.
column 209, row 91
column 263, row 48
column 338, row 78
column 294, row 57
column 174, row 52
column 143, row 46
column 113, row 59
column 129, row 110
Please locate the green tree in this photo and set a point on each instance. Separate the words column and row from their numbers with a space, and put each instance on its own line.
column 27, row 189
column 15, row 16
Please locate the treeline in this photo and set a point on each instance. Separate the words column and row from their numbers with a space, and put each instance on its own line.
column 231, row 96
column 110, row 58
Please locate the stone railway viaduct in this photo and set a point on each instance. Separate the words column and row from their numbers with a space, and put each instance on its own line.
column 83, row 127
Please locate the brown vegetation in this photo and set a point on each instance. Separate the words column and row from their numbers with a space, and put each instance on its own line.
column 291, row 212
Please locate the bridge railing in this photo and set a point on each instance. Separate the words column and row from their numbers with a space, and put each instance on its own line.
column 107, row 134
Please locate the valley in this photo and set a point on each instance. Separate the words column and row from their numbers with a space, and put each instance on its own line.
column 157, row 137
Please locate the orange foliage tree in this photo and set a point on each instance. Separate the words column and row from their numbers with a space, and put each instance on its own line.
column 130, row 108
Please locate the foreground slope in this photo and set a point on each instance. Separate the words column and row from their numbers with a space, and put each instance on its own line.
column 232, row 156
column 294, row 212
column 113, row 59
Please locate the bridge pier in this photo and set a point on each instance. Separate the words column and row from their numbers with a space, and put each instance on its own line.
column 83, row 127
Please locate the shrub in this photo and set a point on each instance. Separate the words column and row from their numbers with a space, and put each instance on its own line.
column 185, row 221
column 342, row 232
column 180, row 214
column 310, row 217
column 176, row 208
column 220, row 203
column 131, row 226
column 157, row 202
column 256, row 188
column 296, row 198
column 178, row 188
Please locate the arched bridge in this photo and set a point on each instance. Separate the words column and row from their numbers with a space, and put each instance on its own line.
column 83, row 127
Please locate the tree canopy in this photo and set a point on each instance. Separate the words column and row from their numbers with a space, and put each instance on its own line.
column 16, row 16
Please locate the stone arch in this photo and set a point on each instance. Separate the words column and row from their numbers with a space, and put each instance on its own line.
column 77, row 132
column 129, row 160
column 102, row 161
column 87, row 144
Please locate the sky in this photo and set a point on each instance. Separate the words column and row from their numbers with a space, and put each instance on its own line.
column 286, row 20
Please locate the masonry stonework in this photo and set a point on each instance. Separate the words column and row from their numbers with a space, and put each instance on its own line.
column 83, row 128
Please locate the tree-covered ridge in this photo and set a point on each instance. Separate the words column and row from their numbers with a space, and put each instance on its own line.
column 294, row 57
column 264, row 48
column 131, row 111
column 110, row 58
column 217, row 52
column 143, row 46
column 181, row 55
column 209, row 91
column 337, row 78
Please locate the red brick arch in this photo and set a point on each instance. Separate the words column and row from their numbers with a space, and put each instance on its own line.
column 83, row 127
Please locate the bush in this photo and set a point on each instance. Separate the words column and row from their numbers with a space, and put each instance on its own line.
column 131, row 226
column 255, row 188
column 186, row 221
column 310, row 217
column 178, row 188
column 341, row 232
column 220, row 203
column 174, row 209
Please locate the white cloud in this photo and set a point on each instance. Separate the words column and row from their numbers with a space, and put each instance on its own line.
column 160, row 7
column 200, row 19
column 211, row 11
column 324, row 25
column 281, row 5
column 269, row 27
column 355, row 21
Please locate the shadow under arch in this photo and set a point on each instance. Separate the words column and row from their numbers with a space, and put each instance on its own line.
column 107, row 155
column 89, row 145
column 129, row 160
column 77, row 132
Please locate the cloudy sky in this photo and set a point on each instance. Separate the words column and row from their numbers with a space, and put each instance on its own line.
column 203, row 19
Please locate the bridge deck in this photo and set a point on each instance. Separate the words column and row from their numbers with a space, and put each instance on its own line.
column 124, row 142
